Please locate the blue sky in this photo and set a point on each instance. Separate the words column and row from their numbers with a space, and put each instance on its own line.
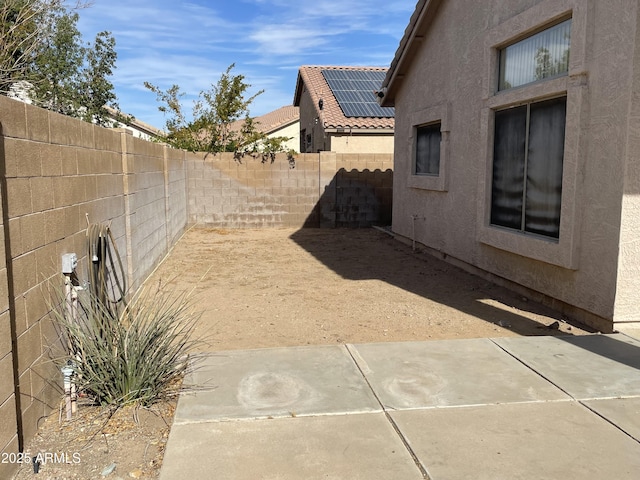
column 191, row 43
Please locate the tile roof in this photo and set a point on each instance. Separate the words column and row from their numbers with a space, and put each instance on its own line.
column 272, row 121
column 331, row 114
column 135, row 123
column 277, row 119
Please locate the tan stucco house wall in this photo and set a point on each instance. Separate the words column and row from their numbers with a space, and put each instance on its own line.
column 446, row 71
column 292, row 132
column 282, row 122
column 369, row 143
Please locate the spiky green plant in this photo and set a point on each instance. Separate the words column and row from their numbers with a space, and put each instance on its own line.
column 135, row 357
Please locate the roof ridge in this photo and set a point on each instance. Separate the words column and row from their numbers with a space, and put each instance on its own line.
column 343, row 67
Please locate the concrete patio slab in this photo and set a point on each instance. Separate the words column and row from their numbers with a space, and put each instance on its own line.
column 586, row 367
column 624, row 413
column 480, row 408
column 275, row 382
column 449, row 373
column 363, row 446
column 556, row 440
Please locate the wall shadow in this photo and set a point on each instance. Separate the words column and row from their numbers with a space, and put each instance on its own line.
column 365, row 254
column 354, row 199
column 625, row 352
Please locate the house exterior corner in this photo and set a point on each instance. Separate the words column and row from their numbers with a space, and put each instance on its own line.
column 531, row 179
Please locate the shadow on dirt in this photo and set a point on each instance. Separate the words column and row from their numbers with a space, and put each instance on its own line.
column 345, row 252
column 355, row 198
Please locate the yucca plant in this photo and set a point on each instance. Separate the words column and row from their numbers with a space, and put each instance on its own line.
column 137, row 355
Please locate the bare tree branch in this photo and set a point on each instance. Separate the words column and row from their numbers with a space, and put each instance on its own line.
column 25, row 26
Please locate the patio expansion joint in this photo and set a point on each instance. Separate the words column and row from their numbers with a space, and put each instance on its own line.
column 610, row 422
column 364, row 368
column 581, row 402
column 571, row 397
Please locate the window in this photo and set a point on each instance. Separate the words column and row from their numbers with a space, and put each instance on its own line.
column 427, row 160
column 428, row 154
column 527, row 167
column 303, row 140
column 540, row 56
column 309, row 146
column 529, row 202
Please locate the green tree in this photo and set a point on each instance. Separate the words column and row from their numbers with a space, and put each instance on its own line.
column 43, row 51
column 547, row 67
column 544, row 64
column 21, row 24
column 96, row 90
column 55, row 71
column 213, row 127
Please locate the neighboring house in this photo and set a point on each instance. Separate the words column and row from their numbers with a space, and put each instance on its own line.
column 20, row 91
column 339, row 111
column 517, row 146
column 138, row 128
column 282, row 122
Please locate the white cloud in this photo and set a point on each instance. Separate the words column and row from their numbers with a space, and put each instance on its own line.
column 284, row 40
column 190, row 43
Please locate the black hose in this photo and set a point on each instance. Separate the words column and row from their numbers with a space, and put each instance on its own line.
column 107, row 282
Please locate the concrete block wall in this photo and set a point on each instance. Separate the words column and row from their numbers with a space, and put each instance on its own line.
column 226, row 192
column 176, row 193
column 55, row 171
column 8, row 417
column 362, row 191
column 56, row 175
column 247, row 193
column 154, row 224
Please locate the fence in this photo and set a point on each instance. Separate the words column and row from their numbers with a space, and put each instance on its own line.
column 59, row 174
column 312, row 190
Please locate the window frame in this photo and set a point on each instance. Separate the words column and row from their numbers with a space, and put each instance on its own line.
column 522, row 228
column 503, row 49
column 438, row 114
column 563, row 251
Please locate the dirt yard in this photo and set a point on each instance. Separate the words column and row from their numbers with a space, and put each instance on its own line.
column 286, row 287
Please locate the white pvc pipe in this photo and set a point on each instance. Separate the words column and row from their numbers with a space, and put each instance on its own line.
column 67, row 371
column 71, row 299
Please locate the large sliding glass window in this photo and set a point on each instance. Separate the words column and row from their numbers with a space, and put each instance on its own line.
column 528, row 150
column 540, row 56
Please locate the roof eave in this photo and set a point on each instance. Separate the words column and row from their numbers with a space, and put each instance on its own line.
column 282, row 126
column 299, row 88
column 360, row 131
column 413, row 34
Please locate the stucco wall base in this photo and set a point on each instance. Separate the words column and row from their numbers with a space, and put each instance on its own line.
column 572, row 314
column 631, row 329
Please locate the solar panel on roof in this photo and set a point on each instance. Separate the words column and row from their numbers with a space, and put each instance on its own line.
column 355, row 92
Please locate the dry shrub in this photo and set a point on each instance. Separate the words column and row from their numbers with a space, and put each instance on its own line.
column 136, row 354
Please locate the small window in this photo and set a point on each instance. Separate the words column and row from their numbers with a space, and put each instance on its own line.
column 428, row 150
column 309, row 139
column 528, row 153
column 540, row 56
column 303, row 140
